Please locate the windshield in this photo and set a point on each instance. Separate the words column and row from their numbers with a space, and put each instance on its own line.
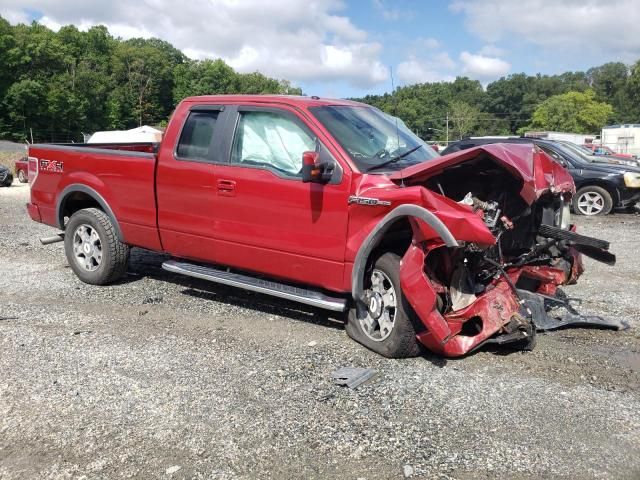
column 586, row 157
column 374, row 140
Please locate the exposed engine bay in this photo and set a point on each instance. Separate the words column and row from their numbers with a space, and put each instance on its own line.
column 508, row 286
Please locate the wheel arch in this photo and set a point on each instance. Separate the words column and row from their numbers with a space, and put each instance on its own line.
column 76, row 197
column 376, row 238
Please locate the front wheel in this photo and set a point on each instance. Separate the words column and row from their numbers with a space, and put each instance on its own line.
column 592, row 200
column 22, row 177
column 94, row 252
column 386, row 324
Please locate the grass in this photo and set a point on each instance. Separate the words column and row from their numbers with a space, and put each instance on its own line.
column 8, row 159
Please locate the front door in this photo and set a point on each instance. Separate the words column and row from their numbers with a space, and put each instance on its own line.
column 265, row 219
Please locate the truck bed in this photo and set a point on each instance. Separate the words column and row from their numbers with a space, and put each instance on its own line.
column 122, row 173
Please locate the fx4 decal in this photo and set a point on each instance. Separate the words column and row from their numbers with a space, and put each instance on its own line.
column 52, row 166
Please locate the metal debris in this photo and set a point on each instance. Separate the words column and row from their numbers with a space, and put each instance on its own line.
column 551, row 313
column 352, row 377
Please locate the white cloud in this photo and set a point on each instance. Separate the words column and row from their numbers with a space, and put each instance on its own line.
column 483, row 67
column 392, row 14
column 415, row 70
column 429, row 43
column 571, row 25
column 491, row 51
column 299, row 41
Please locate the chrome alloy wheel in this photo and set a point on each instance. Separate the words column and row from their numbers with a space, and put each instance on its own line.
column 590, row 203
column 378, row 320
column 87, row 247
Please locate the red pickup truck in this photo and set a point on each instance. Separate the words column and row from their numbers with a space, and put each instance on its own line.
column 22, row 170
column 330, row 203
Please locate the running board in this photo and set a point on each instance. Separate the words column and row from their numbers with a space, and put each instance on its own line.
column 268, row 287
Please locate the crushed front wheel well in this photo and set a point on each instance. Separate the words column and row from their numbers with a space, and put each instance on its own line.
column 378, row 234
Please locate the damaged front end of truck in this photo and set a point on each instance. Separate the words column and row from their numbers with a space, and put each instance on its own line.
column 490, row 243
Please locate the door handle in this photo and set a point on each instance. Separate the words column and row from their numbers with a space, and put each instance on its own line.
column 226, row 188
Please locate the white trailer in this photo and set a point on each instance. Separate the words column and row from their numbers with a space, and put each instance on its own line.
column 577, row 138
column 622, row 138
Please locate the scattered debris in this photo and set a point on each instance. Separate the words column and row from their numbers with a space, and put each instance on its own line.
column 408, row 471
column 312, row 343
column 352, row 377
column 8, row 318
column 172, row 470
column 79, row 332
column 551, row 313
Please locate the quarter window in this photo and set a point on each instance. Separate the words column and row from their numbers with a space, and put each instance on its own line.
column 271, row 140
column 195, row 140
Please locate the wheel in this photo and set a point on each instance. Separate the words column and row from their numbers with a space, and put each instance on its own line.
column 22, row 177
column 93, row 249
column 592, row 200
column 387, row 324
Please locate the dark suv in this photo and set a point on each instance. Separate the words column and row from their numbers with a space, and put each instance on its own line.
column 601, row 187
column 6, row 178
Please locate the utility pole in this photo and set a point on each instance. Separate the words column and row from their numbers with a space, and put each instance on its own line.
column 447, row 129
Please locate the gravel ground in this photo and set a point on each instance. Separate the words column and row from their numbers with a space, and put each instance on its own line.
column 162, row 376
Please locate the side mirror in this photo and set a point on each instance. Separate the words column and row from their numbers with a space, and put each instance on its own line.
column 315, row 171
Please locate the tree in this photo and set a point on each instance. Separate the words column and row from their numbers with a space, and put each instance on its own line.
column 577, row 112
column 464, row 118
column 25, row 103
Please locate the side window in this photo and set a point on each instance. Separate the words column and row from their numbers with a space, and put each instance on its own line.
column 554, row 155
column 271, row 140
column 195, row 139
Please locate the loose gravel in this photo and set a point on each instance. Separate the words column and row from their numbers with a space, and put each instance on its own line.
column 161, row 376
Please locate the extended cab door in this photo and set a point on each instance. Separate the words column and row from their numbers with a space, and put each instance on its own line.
column 185, row 181
column 265, row 218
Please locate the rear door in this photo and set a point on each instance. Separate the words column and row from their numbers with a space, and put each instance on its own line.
column 185, row 182
column 265, row 218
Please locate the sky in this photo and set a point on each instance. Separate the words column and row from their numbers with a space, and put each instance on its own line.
column 349, row 48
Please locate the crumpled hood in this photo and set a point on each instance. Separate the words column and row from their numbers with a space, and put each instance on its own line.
column 539, row 172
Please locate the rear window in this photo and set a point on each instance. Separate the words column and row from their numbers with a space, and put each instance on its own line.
column 196, row 136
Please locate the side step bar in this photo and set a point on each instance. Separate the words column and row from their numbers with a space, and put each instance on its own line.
column 289, row 292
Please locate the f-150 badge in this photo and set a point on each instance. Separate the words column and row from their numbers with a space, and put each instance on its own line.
column 368, row 201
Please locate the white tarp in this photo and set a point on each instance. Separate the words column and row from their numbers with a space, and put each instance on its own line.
column 143, row 134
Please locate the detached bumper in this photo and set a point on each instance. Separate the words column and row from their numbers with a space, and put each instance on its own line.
column 34, row 212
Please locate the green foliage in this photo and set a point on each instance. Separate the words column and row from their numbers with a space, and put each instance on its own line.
column 507, row 105
column 61, row 84
column 577, row 112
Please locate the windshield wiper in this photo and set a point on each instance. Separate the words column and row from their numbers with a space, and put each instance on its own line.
column 393, row 159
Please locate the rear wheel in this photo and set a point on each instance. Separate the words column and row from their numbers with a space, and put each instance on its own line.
column 592, row 200
column 386, row 324
column 93, row 249
column 22, row 177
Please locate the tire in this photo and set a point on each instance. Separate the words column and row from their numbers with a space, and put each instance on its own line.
column 94, row 252
column 22, row 177
column 592, row 200
column 400, row 341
